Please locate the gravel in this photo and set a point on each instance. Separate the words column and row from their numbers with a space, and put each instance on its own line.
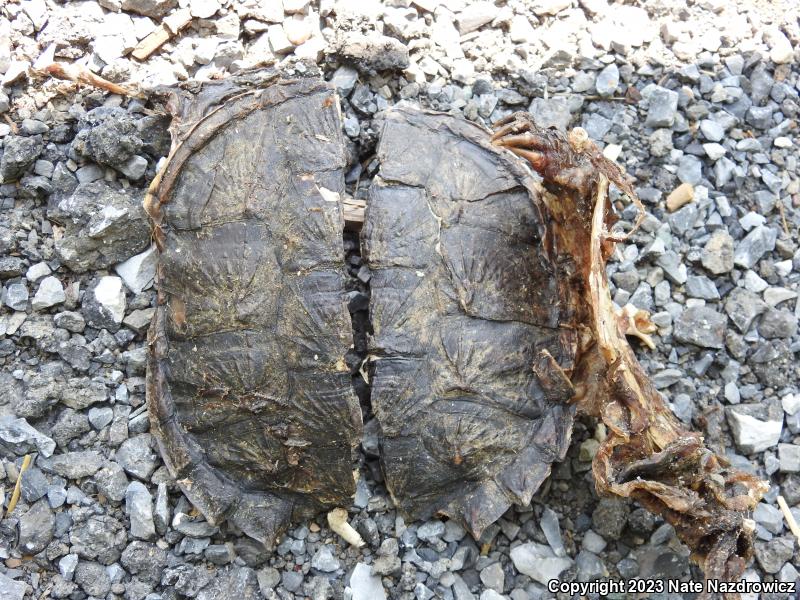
column 701, row 326
column 700, row 104
column 539, row 562
column 364, row 585
column 754, row 435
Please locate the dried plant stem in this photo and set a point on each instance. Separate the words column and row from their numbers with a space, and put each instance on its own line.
column 26, row 462
column 81, row 74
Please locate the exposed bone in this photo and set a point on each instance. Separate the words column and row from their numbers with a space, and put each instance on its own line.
column 635, row 322
column 647, row 456
column 337, row 521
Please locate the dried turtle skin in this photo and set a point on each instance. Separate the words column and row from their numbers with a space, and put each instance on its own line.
column 248, row 392
column 648, row 455
column 466, row 297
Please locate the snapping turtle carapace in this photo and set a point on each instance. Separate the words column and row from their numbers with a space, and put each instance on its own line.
column 466, row 299
column 249, row 394
column 492, row 322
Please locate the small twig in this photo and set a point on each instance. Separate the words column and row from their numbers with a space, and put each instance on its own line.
column 783, row 216
column 15, row 494
column 81, row 74
column 46, row 65
column 11, row 124
column 787, row 514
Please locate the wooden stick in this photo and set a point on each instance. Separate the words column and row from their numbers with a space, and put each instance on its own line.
column 162, row 34
column 81, row 74
column 354, row 210
column 787, row 514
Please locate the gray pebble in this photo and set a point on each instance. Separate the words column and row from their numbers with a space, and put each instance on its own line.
column 15, row 296
column 34, row 485
column 324, row 560
column 717, row 254
column 139, row 507
column 789, row 456
column 750, row 250
column 772, row 555
column 700, row 286
column 663, row 108
column 777, row 324
column 100, row 416
column 36, row 528
column 66, row 566
column 701, row 326
column 607, row 81
column 712, row 130
column 137, row 457
column 610, row 517
column 430, row 531
column 768, row 516
column 493, row 577
column 690, row 169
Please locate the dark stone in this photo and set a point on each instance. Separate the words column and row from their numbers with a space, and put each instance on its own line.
column 777, row 323
column 701, row 326
column 103, row 226
column 610, row 517
column 108, row 136
column 240, row 583
column 36, row 528
column 772, row 555
column 145, row 560
column 93, row 579
column 372, row 53
column 19, row 153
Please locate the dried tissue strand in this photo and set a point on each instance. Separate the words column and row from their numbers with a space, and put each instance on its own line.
column 647, row 455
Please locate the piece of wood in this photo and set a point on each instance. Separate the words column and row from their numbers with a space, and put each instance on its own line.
column 354, row 213
column 683, row 194
column 154, row 40
column 162, row 34
column 81, row 74
column 790, row 520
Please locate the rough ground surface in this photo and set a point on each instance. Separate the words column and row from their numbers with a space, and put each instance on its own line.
column 700, row 105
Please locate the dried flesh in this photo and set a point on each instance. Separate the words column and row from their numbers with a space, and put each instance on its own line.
column 648, row 455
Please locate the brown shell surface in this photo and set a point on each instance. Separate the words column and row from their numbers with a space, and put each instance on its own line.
column 471, row 333
column 249, row 396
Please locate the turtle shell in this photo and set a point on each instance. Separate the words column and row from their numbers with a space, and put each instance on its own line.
column 491, row 316
column 249, row 395
column 471, row 331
